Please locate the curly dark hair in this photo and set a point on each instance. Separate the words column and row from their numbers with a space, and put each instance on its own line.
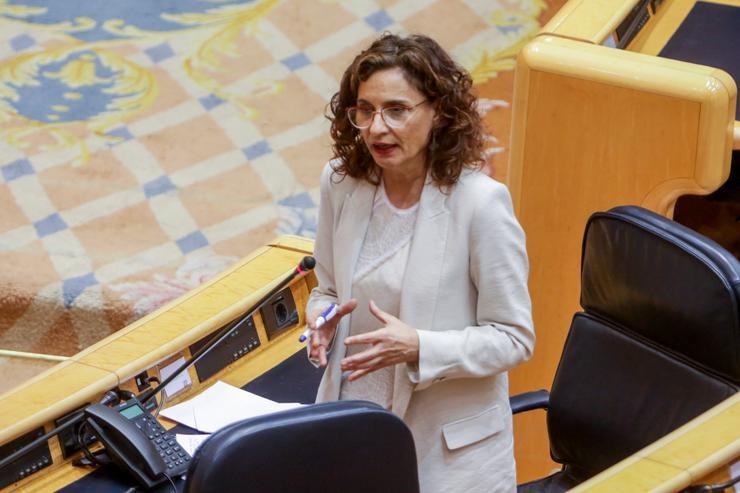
column 456, row 140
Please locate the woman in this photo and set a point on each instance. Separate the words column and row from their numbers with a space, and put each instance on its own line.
column 423, row 250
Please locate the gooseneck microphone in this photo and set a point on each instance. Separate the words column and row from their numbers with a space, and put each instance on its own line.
column 306, row 265
column 111, row 397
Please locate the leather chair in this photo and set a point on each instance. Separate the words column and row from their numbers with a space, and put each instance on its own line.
column 332, row 447
column 657, row 343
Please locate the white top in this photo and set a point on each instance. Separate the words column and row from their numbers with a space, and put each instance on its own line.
column 378, row 277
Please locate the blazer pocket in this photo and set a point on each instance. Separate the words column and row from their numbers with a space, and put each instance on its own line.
column 473, row 428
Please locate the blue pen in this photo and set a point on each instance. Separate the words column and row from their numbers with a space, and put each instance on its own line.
column 328, row 314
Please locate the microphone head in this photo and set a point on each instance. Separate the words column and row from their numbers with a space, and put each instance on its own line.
column 110, row 398
column 307, row 264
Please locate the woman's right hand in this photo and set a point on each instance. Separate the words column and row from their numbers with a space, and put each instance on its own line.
column 321, row 338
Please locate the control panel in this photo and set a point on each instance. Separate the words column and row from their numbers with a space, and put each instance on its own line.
column 31, row 463
column 635, row 20
column 237, row 345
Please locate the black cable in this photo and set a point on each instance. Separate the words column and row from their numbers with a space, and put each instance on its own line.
column 97, row 458
column 38, row 441
column 162, row 399
column 82, row 441
column 174, row 488
column 306, row 265
column 109, row 397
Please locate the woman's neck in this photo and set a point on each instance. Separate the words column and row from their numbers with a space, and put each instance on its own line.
column 403, row 191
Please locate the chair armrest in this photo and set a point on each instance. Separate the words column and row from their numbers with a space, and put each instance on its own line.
column 537, row 399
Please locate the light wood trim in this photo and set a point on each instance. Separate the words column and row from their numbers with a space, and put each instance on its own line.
column 51, row 394
column 639, row 474
column 292, row 242
column 713, row 89
column 588, row 20
column 593, row 21
column 157, row 313
column 718, row 476
column 684, row 457
column 193, row 316
column 654, row 36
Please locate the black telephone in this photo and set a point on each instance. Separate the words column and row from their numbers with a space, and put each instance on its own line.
column 136, row 442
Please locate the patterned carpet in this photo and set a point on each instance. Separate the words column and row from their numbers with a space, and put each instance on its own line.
column 146, row 145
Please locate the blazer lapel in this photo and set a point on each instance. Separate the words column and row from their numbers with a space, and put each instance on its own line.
column 422, row 278
column 349, row 236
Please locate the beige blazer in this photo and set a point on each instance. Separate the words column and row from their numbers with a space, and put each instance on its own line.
column 465, row 291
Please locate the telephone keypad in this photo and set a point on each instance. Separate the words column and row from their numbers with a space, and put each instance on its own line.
column 174, row 457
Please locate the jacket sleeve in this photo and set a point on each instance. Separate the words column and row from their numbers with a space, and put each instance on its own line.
column 503, row 336
column 325, row 293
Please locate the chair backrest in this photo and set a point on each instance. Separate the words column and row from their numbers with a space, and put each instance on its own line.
column 657, row 344
column 331, row 447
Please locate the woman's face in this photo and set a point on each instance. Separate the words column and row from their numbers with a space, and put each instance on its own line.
column 398, row 151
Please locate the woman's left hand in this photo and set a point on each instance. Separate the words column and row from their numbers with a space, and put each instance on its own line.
column 395, row 342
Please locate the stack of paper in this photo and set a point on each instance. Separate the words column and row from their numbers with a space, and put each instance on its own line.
column 220, row 405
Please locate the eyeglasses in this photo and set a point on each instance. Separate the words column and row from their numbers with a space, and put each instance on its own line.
column 393, row 116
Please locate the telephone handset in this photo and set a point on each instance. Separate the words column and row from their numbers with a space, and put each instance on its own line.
column 136, row 442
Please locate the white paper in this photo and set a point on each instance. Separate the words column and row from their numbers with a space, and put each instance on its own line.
column 190, row 443
column 220, row 405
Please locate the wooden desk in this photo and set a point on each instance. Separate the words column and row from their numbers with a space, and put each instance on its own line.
column 152, row 342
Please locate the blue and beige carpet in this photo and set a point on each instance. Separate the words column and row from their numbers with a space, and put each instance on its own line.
column 146, row 145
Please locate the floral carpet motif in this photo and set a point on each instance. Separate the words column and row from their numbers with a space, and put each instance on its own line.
column 146, row 145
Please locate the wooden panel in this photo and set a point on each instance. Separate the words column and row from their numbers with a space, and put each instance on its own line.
column 594, row 128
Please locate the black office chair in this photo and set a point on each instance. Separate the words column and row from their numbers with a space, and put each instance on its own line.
column 332, row 447
column 657, row 344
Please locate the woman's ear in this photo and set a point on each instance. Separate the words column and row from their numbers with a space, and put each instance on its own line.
column 437, row 119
